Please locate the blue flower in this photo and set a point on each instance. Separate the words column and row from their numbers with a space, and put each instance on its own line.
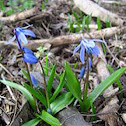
column 27, row 50
column 20, row 35
column 29, row 56
column 89, row 46
column 83, row 69
column 34, row 81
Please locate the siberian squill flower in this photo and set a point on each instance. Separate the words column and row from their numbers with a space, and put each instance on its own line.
column 29, row 56
column 89, row 46
column 34, row 81
column 84, row 68
column 20, row 35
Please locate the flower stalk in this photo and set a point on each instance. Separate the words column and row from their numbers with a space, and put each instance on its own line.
column 26, row 65
column 85, row 88
column 45, row 88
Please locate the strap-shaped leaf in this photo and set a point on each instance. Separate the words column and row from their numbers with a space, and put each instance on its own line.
column 72, row 83
column 23, row 90
column 104, row 85
column 32, row 122
column 50, row 80
column 111, row 70
column 45, row 116
column 58, row 89
column 61, row 102
column 38, row 95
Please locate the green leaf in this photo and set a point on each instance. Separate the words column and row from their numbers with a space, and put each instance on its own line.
column 45, row 116
column 72, row 83
column 58, row 89
column 118, row 81
column 104, row 85
column 25, row 74
column 2, row 6
column 37, row 94
column 50, row 80
column 76, row 16
column 32, row 122
column 98, row 23
column 61, row 102
column 108, row 25
column 43, row 5
column 23, row 90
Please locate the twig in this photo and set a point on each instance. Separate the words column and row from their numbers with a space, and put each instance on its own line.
column 73, row 38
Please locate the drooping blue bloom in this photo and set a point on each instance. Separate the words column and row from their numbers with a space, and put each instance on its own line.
column 82, row 72
column 34, row 81
column 20, row 35
column 83, row 69
column 29, row 56
column 89, row 46
column 27, row 50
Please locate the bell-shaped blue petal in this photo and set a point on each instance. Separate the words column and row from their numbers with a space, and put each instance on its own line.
column 82, row 53
column 34, row 81
column 95, row 51
column 82, row 72
column 22, row 38
column 76, row 49
column 89, row 61
column 29, row 32
column 30, row 58
column 27, row 50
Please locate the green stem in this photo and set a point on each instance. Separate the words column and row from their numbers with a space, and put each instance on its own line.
column 46, row 93
column 85, row 89
column 26, row 66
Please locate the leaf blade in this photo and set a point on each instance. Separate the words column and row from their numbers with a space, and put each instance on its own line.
column 73, row 83
column 62, row 101
column 23, row 90
column 50, row 80
column 32, row 122
column 39, row 96
column 58, row 89
column 45, row 116
column 104, row 85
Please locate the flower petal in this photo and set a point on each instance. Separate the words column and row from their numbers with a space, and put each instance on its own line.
column 29, row 32
column 34, row 81
column 89, row 61
column 88, row 43
column 22, row 38
column 27, row 50
column 11, row 40
column 82, row 72
column 82, row 54
column 95, row 51
column 30, row 58
column 76, row 49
